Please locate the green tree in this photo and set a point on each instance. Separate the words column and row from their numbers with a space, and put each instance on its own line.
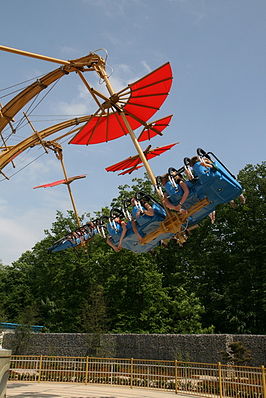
column 227, row 261
column 237, row 354
column 216, row 281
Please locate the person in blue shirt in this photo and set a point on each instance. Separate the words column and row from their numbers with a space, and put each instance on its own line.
column 140, row 211
column 121, row 230
column 176, row 193
column 141, row 208
column 201, row 168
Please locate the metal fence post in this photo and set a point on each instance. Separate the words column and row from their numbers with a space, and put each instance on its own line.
column 40, row 369
column 112, row 372
column 44, row 368
column 220, row 380
column 263, row 381
column 87, row 370
column 131, row 373
column 176, row 386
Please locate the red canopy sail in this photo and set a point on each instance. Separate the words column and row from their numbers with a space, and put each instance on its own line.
column 154, row 128
column 65, row 181
column 133, row 161
column 139, row 101
column 130, row 170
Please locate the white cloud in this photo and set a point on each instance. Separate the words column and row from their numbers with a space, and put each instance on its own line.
column 34, row 167
column 20, row 231
column 195, row 8
column 122, row 75
column 81, row 104
column 110, row 8
column 84, row 93
column 118, row 83
column 16, row 237
column 42, row 167
column 115, row 40
column 72, row 108
column 146, row 66
column 51, row 198
column 3, row 205
column 70, row 52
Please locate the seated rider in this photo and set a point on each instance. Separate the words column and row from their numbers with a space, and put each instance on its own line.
column 177, row 193
column 91, row 229
column 201, row 170
column 121, row 230
column 75, row 237
column 140, row 209
column 204, row 161
column 71, row 238
column 201, row 167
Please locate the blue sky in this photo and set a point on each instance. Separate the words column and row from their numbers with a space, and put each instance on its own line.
column 217, row 52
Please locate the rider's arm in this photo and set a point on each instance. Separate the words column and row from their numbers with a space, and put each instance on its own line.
column 148, row 210
column 123, row 233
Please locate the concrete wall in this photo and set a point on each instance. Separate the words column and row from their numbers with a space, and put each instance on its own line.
column 4, row 370
column 197, row 347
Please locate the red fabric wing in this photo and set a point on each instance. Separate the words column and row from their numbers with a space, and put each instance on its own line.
column 158, row 125
column 125, row 164
column 134, row 161
column 149, row 93
column 144, row 98
column 159, row 151
column 53, row 184
column 129, row 171
column 103, row 128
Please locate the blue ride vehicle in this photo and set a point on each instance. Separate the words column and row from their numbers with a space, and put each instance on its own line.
column 76, row 238
column 208, row 183
column 144, row 224
column 213, row 182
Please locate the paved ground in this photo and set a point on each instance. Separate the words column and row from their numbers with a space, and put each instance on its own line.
column 68, row 390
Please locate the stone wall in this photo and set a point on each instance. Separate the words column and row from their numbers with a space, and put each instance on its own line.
column 195, row 348
column 4, row 370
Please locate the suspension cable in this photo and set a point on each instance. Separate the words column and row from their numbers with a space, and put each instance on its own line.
column 32, row 161
column 22, row 119
column 22, row 168
column 25, row 81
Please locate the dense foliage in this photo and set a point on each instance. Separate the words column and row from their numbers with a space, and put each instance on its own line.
column 215, row 283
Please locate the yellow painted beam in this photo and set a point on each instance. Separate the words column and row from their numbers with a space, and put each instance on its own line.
column 8, row 155
column 174, row 221
column 9, row 110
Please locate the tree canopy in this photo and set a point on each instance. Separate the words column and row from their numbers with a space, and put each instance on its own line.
column 214, row 283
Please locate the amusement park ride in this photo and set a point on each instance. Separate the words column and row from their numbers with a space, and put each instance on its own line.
column 207, row 181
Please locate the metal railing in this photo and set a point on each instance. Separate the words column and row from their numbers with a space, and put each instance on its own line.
column 199, row 379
